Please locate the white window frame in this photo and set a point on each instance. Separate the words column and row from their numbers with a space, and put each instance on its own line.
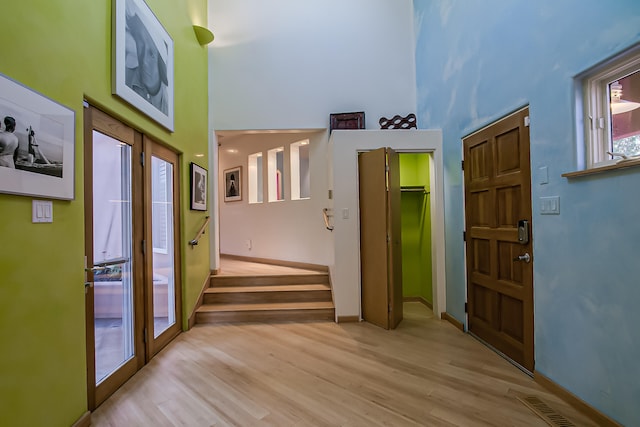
column 297, row 192
column 256, row 178
column 596, row 100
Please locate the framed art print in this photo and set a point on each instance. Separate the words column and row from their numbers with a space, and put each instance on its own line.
column 346, row 121
column 233, row 184
column 37, row 143
column 142, row 61
column 198, row 188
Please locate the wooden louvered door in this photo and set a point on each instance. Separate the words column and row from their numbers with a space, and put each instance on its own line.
column 497, row 177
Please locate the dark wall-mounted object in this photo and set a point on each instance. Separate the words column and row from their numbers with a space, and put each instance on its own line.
column 347, row 121
column 399, row 122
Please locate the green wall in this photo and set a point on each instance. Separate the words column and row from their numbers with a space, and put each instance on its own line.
column 62, row 49
column 416, row 227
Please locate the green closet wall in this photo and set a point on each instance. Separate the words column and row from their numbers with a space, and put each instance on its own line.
column 62, row 49
column 416, row 227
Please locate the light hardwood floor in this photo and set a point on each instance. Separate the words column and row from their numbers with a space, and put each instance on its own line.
column 424, row 373
column 237, row 267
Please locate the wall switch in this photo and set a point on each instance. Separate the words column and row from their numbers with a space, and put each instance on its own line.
column 550, row 205
column 41, row 211
column 345, row 213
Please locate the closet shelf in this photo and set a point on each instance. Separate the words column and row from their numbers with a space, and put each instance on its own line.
column 413, row 189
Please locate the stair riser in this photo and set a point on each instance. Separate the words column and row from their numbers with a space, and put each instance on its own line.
column 269, row 280
column 266, row 297
column 322, row 315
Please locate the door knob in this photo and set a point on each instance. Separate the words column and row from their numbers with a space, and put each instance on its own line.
column 526, row 257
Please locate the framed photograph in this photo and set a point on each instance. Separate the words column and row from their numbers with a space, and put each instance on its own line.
column 142, row 61
column 37, row 143
column 198, row 188
column 346, row 121
column 233, row 184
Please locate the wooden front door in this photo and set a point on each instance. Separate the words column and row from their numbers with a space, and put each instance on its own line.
column 497, row 177
column 380, row 244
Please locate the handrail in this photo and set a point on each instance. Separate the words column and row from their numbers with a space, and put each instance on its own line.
column 326, row 216
column 200, row 232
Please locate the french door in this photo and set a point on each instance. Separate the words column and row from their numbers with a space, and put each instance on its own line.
column 132, row 271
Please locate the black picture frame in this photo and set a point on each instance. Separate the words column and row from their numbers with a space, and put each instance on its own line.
column 346, row 121
column 233, row 184
column 198, row 187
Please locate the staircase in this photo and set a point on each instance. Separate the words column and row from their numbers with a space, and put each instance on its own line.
column 298, row 297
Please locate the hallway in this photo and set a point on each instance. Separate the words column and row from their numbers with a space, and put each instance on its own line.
column 425, row 373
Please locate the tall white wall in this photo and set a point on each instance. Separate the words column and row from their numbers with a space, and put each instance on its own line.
column 288, row 64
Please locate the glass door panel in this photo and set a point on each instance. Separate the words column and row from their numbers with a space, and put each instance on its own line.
column 162, row 231
column 112, row 255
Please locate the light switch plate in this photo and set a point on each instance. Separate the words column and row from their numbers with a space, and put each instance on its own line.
column 41, row 211
column 550, row 205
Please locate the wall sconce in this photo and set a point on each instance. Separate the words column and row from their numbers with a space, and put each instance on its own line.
column 204, row 35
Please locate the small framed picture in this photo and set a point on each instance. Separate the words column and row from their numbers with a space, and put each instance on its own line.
column 198, row 188
column 233, row 184
column 346, row 121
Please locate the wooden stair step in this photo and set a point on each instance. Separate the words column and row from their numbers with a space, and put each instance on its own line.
column 275, row 279
column 266, row 294
column 261, row 312
column 267, row 306
column 268, row 288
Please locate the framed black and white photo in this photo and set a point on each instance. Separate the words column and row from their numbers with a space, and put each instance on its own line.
column 142, row 61
column 36, row 143
column 198, row 188
column 233, row 184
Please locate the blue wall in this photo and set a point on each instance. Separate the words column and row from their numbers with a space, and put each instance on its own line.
column 480, row 60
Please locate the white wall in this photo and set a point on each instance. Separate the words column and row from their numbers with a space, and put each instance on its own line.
column 288, row 64
column 290, row 230
column 344, row 148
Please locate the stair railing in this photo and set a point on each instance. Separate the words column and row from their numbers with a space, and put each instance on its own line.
column 200, row 232
column 326, row 215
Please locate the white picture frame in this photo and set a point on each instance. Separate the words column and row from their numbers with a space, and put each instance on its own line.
column 42, row 162
column 198, row 188
column 143, row 61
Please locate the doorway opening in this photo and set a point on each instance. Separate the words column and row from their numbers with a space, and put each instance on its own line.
column 396, row 244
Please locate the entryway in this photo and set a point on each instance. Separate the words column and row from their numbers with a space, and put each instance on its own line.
column 132, row 285
column 395, row 233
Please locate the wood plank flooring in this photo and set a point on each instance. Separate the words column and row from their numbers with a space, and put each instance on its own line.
column 424, row 373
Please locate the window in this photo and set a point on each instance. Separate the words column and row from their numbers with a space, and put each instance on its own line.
column 275, row 167
column 300, row 176
column 611, row 106
column 255, row 178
